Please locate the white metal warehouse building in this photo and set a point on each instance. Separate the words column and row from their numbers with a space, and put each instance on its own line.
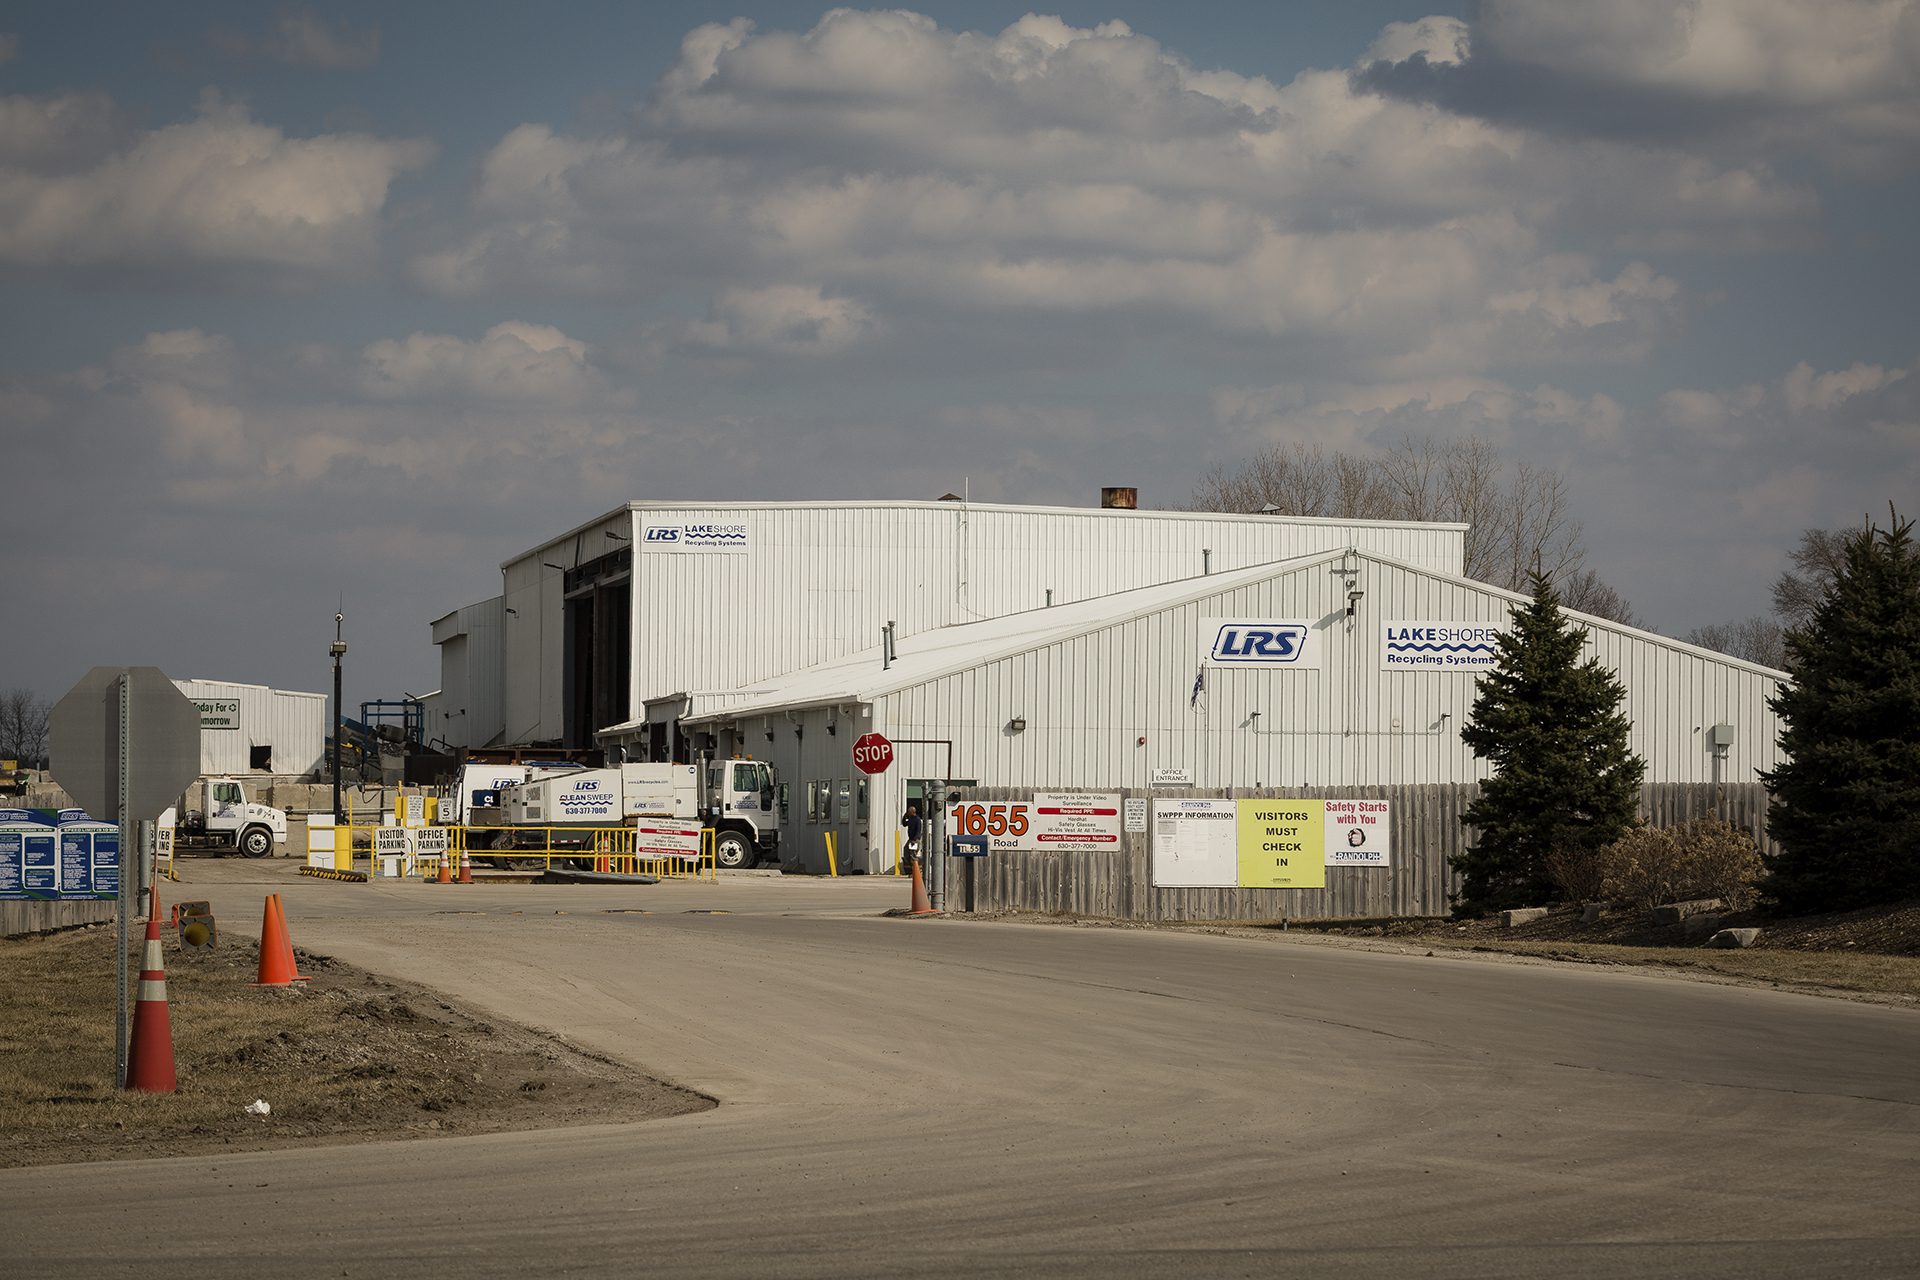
column 1126, row 689
column 604, row 632
column 249, row 728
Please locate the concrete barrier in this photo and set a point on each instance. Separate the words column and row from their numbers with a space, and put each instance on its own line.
column 1521, row 915
column 1675, row 912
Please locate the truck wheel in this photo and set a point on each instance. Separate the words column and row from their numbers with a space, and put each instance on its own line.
column 256, row 842
column 731, row 849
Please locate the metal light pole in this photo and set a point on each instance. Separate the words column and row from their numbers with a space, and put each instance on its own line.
column 339, row 650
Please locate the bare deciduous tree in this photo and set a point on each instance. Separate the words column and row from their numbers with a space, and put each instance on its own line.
column 1816, row 561
column 1519, row 518
column 23, row 726
column 1756, row 639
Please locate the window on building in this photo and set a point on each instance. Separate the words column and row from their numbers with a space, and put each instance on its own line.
column 260, row 758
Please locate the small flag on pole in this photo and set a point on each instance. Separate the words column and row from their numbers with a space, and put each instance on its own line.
column 1199, row 686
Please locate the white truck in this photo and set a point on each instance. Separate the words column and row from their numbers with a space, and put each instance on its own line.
column 227, row 819
column 732, row 798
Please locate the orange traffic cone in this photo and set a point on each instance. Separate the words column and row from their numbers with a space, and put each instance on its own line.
column 922, row 906
column 150, row 1054
column 466, row 867
column 446, row 870
column 276, row 948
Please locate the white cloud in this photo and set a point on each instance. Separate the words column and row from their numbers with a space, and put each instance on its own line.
column 1050, row 172
column 1833, row 81
column 58, row 134
column 512, row 363
column 301, row 39
column 1437, row 39
column 216, row 191
column 784, row 320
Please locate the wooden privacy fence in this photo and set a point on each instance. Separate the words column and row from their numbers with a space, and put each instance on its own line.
column 1426, row 833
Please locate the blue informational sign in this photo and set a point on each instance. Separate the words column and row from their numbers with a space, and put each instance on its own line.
column 12, row 865
column 39, row 865
column 106, row 864
column 76, row 864
column 17, row 815
column 66, row 816
column 969, row 846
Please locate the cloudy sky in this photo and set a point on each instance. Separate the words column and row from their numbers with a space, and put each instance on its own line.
column 341, row 306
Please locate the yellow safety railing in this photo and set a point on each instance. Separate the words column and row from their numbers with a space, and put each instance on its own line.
column 609, row 850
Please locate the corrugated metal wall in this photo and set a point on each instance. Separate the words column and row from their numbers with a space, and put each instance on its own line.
column 1106, row 709
column 819, row 580
column 1426, row 827
column 294, row 725
column 832, row 576
column 469, row 710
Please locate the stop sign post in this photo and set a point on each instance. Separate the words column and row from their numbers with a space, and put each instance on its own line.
column 872, row 753
column 125, row 743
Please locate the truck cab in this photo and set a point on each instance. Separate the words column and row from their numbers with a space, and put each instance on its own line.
column 229, row 819
column 736, row 800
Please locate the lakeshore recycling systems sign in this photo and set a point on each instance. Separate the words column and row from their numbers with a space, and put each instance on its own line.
column 1427, row 645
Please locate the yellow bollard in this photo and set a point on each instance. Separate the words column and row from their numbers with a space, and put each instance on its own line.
column 896, row 853
column 833, row 863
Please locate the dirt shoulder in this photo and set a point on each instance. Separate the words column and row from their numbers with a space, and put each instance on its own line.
column 1861, row 955
column 350, row 1056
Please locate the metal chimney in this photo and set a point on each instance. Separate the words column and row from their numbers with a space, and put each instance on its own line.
column 1119, row 499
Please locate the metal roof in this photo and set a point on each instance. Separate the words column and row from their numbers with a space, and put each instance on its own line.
column 930, row 655
column 863, row 676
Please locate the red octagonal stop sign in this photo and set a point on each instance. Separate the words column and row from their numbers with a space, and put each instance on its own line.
column 872, row 753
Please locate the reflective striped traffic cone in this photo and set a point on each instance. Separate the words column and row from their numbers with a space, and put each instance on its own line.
column 446, row 871
column 150, row 1054
column 466, row 867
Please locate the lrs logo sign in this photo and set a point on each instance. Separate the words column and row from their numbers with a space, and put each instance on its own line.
column 1248, row 642
column 662, row 533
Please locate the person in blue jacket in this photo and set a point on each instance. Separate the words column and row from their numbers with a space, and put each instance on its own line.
column 911, row 821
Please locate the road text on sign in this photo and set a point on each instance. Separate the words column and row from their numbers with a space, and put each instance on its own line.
column 872, row 753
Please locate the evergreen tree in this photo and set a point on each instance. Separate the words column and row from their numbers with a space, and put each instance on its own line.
column 1563, row 777
column 1845, row 811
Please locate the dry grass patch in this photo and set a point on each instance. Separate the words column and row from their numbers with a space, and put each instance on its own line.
column 350, row 1056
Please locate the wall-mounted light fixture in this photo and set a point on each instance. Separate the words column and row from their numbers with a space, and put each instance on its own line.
column 618, row 537
column 548, row 564
column 1353, row 599
column 1017, row 725
column 515, row 612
